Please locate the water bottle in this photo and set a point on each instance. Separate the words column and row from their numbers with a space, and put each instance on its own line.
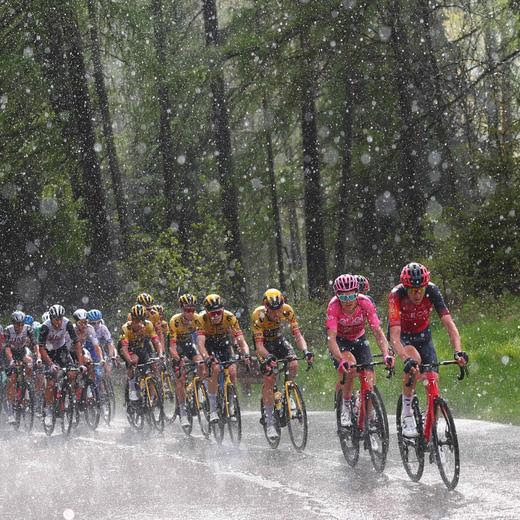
column 278, row 400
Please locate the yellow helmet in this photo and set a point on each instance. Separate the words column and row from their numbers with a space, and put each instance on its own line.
column 213, row 302
column 273, row 299
column 145, row 299
column 158, row 308
column 187, row 300
column 153, row 315
column 138, row 312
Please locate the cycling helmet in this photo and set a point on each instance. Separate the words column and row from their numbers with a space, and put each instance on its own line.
column 18, row 317
column 28, row 319
column 415, row 275
column 213, row 302
column 346, row 282
column 145, row 299
column 45, row 317
column 36, row 324
column 158, row 308
column 187, row 300
column 80, row 314
column 364, row 286
column 94, row 315
column 56, row 311
column 138, row 312
column 273, row 299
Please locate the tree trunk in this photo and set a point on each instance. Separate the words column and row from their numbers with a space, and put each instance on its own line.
column 314, row 238
column 113, row 162
column 274, row 198
column 224, row 158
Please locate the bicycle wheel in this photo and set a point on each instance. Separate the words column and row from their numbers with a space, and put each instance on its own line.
column 411, row 449
column 234, row 419
column 67, row 408
column 105, row 403
column 91, row 405
column 296, row 414
column 134, row 411
column 217, row 427
column 49, row 428
column 203, row 409
column 169, row 397
column 383, row 410
column 446, row 444
column 154, row 403
column 348, row 435
column 273, row 443
column 24, row 408
column 376, row 433
column 190, row 406
column 111, row 395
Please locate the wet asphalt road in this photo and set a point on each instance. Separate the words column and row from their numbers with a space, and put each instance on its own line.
column 118, row 473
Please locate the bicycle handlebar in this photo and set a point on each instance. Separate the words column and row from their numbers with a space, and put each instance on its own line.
column 463, row 370
column 361, row 366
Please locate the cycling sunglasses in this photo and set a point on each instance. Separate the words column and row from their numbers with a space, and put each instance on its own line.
column 189, row 309
column 347, row 297
column 214, row 314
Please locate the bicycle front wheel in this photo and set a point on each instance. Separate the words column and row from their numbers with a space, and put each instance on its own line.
column 105, row 402
column 202, row 404
column 134, row 411
column 446, row 444
column 348, row 435
column 233, row 417
column 273, row 442
column 296, row 414
column 91, row 405
column 154, row 404
column 217, row 427
column 376, row 433
column 411, row 449
column 169, row 400
column 67, row 407
column 24, row 408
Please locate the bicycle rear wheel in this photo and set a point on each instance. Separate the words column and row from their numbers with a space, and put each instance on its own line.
column 348, row 435
column 411, row 449
column 169, row 398
column 190, row 407
column 154, row 403
column 234, row 419
column 111, row 395
column 273, row 443
column 91, row 405
column 446, row 444
column 376, row 433
column 296, row 414
column 203, row 408
column 134, row 411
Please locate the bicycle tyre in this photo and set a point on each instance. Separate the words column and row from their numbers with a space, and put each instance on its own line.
column 217, row 427
column 154, row 404
column 444, row 434
column 67, row 408
column 105, row 403
column 134, row 411
column 297, row 418
column 24, row 408
column 348, row 435
column 169, row 398
column 91, row 405
column 111, row 395
column 383, row 409
column 273, row 443
column 376, row 433
column 411, row 449
column 234, row 420
column 189, row 415
column 203, row 408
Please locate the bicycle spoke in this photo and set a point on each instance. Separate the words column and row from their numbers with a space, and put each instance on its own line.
column 296, row 414
column 445, row 445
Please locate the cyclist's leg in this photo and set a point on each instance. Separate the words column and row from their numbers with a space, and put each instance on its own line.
column 345, row 348
column 212, row 348
column 288, row 352
column 361, row 351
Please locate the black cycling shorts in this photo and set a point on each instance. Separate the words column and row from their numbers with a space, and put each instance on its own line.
column 61, row 357
column 359, row 348
column 187, row 349
column 423, row 343
column 280, row 348
column 219, row 347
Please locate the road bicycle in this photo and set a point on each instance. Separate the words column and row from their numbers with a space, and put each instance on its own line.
column 88, row 400
column 436, row 430
column 228, row 406
column 289, row 408
column 23, row 406
column 169, row 397
column 369, row 421
column 149, row 404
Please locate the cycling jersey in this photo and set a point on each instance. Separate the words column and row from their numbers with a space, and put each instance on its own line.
column 412, row 318
column 351, row 326
column 19, row 342
column 181, row 331
column 103, row 334
column 135, row 339
column 228, row 325
column 54, row 338
column 87, row 335
column 271, row 329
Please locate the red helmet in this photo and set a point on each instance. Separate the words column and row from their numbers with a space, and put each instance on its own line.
column 415, row 275
column 346, row 282
column 364, row 286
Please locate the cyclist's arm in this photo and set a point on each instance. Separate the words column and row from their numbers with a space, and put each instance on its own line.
column 333, row 344
column 453, row 332
column 381, row 341
column 243, row 347
column 201, row 345
column 8, row 353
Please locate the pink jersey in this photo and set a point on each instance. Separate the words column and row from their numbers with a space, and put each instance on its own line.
column 351, row 326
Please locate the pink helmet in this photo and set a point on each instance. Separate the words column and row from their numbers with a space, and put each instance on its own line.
column 346, row 282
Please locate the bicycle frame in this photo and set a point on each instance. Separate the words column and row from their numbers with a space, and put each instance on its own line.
column 287, row 383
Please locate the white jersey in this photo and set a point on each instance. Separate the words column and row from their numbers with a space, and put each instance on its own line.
column 87, row 334
column 53, row 339
column 19, row 341
column 103, row 334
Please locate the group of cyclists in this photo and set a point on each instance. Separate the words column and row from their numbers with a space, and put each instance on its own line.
column 213, row 336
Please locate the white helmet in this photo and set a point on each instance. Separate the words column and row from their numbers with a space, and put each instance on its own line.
column 17, row 317
column 35, row 324
column 80, row 314
column 45, row 317
column 56, row 311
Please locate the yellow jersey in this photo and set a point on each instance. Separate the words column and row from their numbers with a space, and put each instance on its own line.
column 268, row 329
column 181, row 330
column 135, row 338
column 228, row 325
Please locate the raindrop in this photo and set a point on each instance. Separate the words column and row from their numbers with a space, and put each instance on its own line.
column 331, row 156
column 48, row 206
column 181, row 159
column 386, row 203
column 42, row 274
column 30, row 248
column 384, row 33
column 174, row 227
column 369, row 138
column 141, row 147
column 28, row 52
column 28, row 289
column 87, row 250
column 68, row 514
column 486, row 185
column 214, row 186
column 442, row 231
column 98, row 147
column 324, row 131
column 365, row 159
column 505, row 360
column 435, row 176
column 84, row 300
column 147, row 210
column 434, row 158
column 257, row 183
column 434, row 208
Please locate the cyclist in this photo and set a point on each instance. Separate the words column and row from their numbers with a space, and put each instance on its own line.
column 87, row 335
column 270, row 344
column 156, row 316
column 19, row 346
column 346, row 315
column 409, row 308
column 182, row 344
column 58, row 346
column 95, row 318
column 216, row 330
column 138, row 342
